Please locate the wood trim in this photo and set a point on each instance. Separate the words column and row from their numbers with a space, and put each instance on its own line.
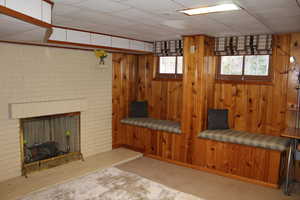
column 254, row 82
column 49, row 1
column 96, row 46
column 167, row 79
column 276, row 186
column 23, row 17
column 44, row 45
column 56, row 46
column 76, row 29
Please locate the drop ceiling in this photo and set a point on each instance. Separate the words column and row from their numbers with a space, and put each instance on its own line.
column 158, row 19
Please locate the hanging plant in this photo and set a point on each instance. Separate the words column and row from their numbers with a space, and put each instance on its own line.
column 101, row 54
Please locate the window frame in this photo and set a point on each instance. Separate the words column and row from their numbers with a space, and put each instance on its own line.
column 169, row 76
column 243, row 77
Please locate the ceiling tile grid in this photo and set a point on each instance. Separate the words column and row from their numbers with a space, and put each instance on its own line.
column 159, row 19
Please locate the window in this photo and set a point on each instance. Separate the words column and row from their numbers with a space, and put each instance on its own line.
column 254, row 67
column 170, row 67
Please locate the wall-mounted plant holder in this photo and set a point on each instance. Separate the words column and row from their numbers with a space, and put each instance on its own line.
column 101, row 55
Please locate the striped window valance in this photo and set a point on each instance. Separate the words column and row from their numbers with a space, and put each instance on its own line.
column 169, row 48
column 244, row 45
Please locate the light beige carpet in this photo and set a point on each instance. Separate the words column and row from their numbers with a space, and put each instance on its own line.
column 109, row 184
column 205, row 185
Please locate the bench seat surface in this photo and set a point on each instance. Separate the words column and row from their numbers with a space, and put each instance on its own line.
column 154, row 124
column 245, row 138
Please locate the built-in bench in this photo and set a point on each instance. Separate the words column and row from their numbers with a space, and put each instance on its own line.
column 255, row 158
column 245, row 138
column 154, row 124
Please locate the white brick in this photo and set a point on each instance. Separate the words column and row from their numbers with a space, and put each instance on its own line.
column 40, row 74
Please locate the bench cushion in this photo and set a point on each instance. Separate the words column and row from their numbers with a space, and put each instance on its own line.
column 245, row 138
column 155, row 124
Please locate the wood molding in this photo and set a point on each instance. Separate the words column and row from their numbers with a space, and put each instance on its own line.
column 44, row 45
column 49, row 1
column 98, row 47
column 57, row 46
column 76, row 29
column 23, row 17
column 214, row 171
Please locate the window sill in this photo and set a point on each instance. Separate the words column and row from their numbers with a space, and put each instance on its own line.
column 254, row 82
column 166, row 79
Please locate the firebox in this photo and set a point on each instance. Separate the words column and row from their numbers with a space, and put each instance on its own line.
column 49, row 141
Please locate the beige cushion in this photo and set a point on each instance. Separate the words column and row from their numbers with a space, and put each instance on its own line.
column 245, row 138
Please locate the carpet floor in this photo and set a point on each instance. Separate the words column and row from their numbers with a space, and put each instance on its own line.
column 204, row 185
column 109, row 184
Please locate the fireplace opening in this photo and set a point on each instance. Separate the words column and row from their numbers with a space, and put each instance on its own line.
column 49, row 141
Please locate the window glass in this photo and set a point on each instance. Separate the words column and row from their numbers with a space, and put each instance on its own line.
column 167, row 65
column 231, row 65
column 257, row 65
column 179, row 64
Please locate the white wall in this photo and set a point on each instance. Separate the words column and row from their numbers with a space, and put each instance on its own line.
column 31, row 74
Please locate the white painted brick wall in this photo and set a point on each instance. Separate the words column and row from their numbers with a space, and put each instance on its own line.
column 31, row 74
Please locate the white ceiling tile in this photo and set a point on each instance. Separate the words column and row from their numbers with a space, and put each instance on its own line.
column 158, row 19
column 62, row 9
column 155, row 6
column 285, row 24
column 278, row 12
column 101, row 18
column 138, row 15
column 103, row 5
column 265, row 4
column 69, row 2
column 197, row 3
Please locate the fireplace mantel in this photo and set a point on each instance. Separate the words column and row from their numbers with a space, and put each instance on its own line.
column 42, row 108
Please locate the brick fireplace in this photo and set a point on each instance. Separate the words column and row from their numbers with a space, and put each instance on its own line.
column 50, row 132
column 41, row 81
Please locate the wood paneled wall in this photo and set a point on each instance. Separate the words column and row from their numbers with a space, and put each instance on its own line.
column 133, row 79
column 259, row 108
column 198, row 83
column 253, row 107
column 164, row 96
column 124, row 90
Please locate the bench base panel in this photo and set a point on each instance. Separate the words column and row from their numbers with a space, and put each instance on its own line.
column 239, row 160
column 250, row 164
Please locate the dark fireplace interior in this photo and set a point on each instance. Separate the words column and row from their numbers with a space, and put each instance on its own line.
column 50, row 136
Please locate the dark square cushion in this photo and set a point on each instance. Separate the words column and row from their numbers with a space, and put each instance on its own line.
column 139, row 109
column 217, row 119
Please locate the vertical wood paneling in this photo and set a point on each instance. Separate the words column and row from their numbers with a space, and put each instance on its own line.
column 164, row 96
column 258, row 107
column 252, row 107
column 198, row 86
column 124, row 91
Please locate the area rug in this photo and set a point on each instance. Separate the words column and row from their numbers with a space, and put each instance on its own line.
column 109, row 184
